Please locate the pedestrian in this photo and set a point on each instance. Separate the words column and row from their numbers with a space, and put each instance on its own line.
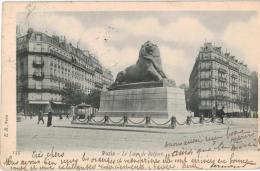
column 31, row 115
column 221, row 114
column 73, row 112
column 50, row 111
column 213, row 114
column 40, row 117
column 22, row 113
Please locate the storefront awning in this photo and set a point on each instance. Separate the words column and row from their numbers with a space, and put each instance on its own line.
column 59, row 103
column 84, row 105
column 38, row 102
column 45, row 102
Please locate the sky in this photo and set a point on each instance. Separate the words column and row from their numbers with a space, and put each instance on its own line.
column 115, row 37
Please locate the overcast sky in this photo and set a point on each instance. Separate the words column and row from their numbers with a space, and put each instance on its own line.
column 116, row 37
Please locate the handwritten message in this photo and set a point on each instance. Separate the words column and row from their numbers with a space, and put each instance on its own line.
column 211, row 152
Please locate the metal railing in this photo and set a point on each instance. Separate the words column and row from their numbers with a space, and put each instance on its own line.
column 146, row 121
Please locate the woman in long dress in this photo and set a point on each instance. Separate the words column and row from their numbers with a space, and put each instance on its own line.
column 50, row 111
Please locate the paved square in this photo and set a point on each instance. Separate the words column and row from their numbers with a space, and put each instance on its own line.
column 67, row 136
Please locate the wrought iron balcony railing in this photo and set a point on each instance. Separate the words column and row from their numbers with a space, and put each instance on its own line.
column 223, row 79
column 223, row 88
column 234, row 83
column 222, row 70
column 234, row 91
column 38, row 63
column 234, row 76
column 38, row 75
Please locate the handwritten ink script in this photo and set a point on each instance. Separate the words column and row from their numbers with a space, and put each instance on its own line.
column 238, row 139
column 211, row 152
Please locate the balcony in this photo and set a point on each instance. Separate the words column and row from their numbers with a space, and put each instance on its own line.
column 38, row 75
column 234, row 83
column 43, row 88
column 222, row 97
column 234, row 76
column 235, row 100
column 234, row 92
column 99, row 70
column 205, row 107
column 210, row 97
column 223, row 79
column 221, row 61
column 222, row 88
column 38, row 63
column 206, row 78
column 222, row 70
column 208, row 68
column 65, row 58
column 98, row 85
column 205, row 87
column 243, row 87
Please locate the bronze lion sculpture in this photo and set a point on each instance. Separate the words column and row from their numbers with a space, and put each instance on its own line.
column 147, row 68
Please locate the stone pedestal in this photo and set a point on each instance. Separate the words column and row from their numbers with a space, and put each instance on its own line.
column 157, row 102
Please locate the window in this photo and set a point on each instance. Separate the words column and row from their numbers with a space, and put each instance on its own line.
column 205, row 74
column 22, row 68
column 37, row 47
column 38, row 37
column 38, row 84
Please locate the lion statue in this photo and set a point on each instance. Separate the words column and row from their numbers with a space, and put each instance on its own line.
column 147, row 68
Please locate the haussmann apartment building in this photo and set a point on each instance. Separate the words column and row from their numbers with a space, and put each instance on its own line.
column 45, row 64
column 218, row 79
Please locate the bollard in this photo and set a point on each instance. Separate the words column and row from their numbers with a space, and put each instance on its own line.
column 106, row 119
column 125, row 120
column 173, row 121
column 188, row 120
column 201, row 119
column 147, row 120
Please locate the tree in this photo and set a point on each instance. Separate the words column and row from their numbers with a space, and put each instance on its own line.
column 254, row 91
column 183, row 86
column 93, row 98
column 244, row 101
column 72, row 95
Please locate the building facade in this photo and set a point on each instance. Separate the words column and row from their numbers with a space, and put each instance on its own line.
column 218, row 79
column 45, row 65
column 107, row 78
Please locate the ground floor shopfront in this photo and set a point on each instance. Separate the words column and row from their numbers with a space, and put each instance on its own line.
column 34, row 107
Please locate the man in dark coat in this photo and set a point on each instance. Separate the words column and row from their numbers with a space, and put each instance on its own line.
column 50, row 111
column 221, row 114
column 40, row 117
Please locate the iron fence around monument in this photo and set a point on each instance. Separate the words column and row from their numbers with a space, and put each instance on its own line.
column 146, row 121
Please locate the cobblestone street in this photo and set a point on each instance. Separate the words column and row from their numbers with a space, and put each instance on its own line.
column 64, row 135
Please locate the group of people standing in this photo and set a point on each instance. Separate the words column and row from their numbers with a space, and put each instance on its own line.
column 218, row 113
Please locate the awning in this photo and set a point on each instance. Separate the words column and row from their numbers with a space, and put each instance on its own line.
column 45, row 102
column 38, row 102
column 59, row 103
column 84, row 105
